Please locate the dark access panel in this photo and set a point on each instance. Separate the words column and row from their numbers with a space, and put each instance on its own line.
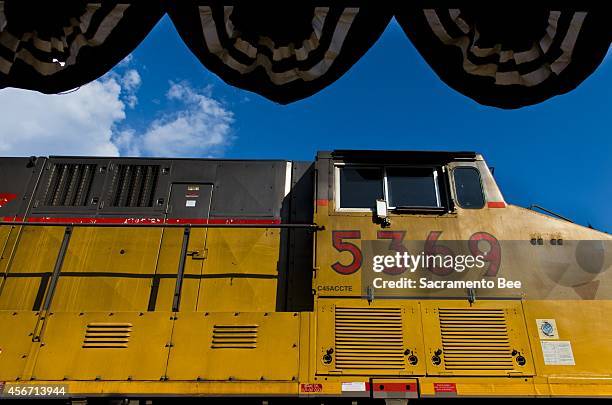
column 190, row 201
column 18, row 178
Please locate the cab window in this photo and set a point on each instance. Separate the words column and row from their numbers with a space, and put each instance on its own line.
column 360, row 187
column 468, row 187
column 402, row 187
column 412, row 187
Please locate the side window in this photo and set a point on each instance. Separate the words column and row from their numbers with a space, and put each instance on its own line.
column 413, row 187
column 468, row 187
column 360, row 187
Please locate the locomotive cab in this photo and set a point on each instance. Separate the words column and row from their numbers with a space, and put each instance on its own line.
column 387, row 307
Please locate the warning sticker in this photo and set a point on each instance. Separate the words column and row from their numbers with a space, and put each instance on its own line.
column 353, row 386
column 311, row 387
column 557, row 353
column 445, row 388
column 547, row 328
column 190, row 203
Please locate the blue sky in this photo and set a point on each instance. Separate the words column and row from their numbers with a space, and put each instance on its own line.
column 555, row 154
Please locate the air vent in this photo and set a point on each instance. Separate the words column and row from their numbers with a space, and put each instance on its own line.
column 134, row 186
column 107, row 335
column 69, row 185
column 369, row 338
column 234, row 337
column 475, row 339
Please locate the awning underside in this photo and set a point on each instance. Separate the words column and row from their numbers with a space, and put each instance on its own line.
column 506, row 58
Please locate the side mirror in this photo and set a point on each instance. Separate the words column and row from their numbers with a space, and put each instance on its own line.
column 382, row 213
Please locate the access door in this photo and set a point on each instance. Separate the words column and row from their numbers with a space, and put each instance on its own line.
column 189, row 204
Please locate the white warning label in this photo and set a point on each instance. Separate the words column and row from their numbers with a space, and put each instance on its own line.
column 354, row 386
column 190, row 203
column 557, row 353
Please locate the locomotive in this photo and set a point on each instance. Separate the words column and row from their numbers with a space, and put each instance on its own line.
column 359, row 275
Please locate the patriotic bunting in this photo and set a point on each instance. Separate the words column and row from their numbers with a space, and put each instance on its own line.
column 505, row 57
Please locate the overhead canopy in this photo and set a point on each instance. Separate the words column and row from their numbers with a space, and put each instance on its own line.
column 506, row 58
column 283, row 52
column 54, row 46
column 509, row 57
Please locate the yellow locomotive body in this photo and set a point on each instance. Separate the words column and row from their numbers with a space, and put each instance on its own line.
column 145, row 278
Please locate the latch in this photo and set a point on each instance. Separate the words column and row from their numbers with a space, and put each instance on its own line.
column 198, row 254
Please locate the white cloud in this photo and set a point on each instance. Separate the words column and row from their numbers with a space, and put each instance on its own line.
column 130, row 83
column 77, row 123
column 202, row 127
column 88, row 121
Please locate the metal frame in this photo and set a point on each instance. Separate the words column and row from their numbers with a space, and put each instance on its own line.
column 337, row 185
column 482, row 188
column 383, row 167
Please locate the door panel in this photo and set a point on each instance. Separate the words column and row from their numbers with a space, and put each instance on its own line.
column 189, row 203
column 108, row 269
column 31, row 267
column 379, row 339
column 482, row 338
column 104, row 346
column 241, row 270
column 235, row 346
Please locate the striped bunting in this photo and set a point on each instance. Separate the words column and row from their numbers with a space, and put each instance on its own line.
column 283, row 52
column 57, row 46
column 505, row 57
column 509, row 58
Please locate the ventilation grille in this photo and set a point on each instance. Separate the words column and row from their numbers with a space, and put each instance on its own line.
column 369, row 338
column 69, row 185
column 107, row 335
column 475, row 339
column 134, row 186
column 234, row 337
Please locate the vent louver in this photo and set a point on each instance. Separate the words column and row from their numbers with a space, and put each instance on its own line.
column 234, row 337
column 107, row 335
column 134, row 185
column 69, row 185
column 369, row 338
column 475, row 339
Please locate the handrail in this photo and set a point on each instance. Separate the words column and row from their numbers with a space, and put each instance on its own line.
column 313, row 227
column 532, row 206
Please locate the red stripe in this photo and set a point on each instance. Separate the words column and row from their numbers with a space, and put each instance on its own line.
column 12, row 219
column 322, row 203
column 145, row 221
column 237, row 221
column 85, row 220
column 5, row 198
column 496, row 204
